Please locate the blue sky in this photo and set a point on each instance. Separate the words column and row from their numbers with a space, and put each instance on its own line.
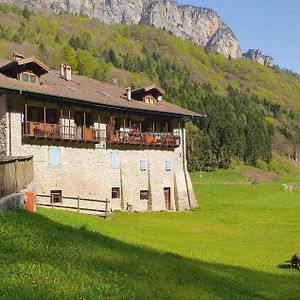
column 270, row 25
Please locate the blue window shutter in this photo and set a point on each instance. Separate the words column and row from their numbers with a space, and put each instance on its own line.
column 144, row 165
column 54, row 156
column 115, row 159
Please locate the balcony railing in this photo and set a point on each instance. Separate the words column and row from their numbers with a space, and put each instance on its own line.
column 144, row 138
column 62, row 132
column 93, row 135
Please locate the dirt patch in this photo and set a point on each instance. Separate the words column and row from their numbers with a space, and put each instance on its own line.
column 261, row 176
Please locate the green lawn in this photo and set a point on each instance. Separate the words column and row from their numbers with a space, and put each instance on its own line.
column 234, row 247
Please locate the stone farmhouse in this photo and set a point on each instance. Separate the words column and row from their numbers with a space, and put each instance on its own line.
column 95, row 140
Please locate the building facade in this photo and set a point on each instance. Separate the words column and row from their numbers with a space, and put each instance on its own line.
column 95, row 140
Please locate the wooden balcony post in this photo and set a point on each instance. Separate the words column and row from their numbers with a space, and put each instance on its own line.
column 84, row 125
column 26, row 118
column 69, row 115
column 61, row 130
column 99, row 129
column 141, row 136
column 167, row 133
column 124, row 125
column 45, row 119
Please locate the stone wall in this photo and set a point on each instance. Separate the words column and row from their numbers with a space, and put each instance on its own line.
column 89, row 173
column 3, row 125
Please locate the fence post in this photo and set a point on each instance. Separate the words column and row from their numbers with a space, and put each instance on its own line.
column 52, row 200
column 106, row 208
column 78, row 199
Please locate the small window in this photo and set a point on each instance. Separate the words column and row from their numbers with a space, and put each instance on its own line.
column 144, row 195
column 56, row 196
column 25, row 77
column 32, row 78
column 144, row 165
column 168, row 165
column 115, row 193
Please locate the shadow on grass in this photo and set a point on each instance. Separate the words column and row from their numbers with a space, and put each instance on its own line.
column 41, row 259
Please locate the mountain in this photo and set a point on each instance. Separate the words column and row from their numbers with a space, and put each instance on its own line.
column 259, row 57
column 200, row 25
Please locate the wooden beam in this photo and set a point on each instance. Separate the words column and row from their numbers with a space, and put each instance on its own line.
column 26, row 117
column 99, row 130
column 69, row 116
column 45, row 118
column 84, row 125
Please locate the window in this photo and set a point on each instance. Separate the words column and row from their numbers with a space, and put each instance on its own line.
column 56, row 196
column 54, row 156
column 115, row 160
column 149, row 100
column 144, row 165
column 168, row 165
column 33, row 79
column 35, row 114
column 115, row 193
column 52, row 116
column 144, row 195
column 25, row 77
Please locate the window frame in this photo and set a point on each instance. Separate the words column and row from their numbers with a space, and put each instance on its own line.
column 144, row 195
column 56, row 194
column 115, row 193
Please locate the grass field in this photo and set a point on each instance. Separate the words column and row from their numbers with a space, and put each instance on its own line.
column 236, row 246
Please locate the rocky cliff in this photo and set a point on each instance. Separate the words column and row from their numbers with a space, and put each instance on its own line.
column 202, row 26
column 260, row 57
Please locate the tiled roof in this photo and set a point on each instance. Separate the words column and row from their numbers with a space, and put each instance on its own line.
column 84, row 89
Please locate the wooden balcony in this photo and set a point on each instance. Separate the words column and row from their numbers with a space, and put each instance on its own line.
column 60, row 132
column 144, row 139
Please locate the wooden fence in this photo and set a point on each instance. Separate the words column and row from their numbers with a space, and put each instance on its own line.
column 16, row 173
column 78, row 204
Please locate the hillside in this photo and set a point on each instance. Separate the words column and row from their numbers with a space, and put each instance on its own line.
column 200, row 25
column 252, row 109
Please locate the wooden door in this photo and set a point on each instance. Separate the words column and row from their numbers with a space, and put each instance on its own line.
column 167, row 192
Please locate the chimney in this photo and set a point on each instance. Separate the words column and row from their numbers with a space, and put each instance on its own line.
column 17, row 56
column 128, row 93
column 68, row 73
column 62, row 70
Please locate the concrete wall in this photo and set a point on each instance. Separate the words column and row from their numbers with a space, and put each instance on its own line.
column 3, row 125
column 89, row 173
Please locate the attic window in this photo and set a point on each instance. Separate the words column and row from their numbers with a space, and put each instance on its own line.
column 149, row 100
column 28, row 77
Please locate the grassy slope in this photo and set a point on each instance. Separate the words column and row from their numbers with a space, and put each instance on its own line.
column 205, row 67
column 234, row 247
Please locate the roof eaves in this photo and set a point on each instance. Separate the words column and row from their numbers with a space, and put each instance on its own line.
column 106, row 106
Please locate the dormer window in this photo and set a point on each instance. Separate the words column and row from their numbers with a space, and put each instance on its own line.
column 25, row 77
column 25, row 69
column 29, row 77
column 150, row 95
column 149, row 100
